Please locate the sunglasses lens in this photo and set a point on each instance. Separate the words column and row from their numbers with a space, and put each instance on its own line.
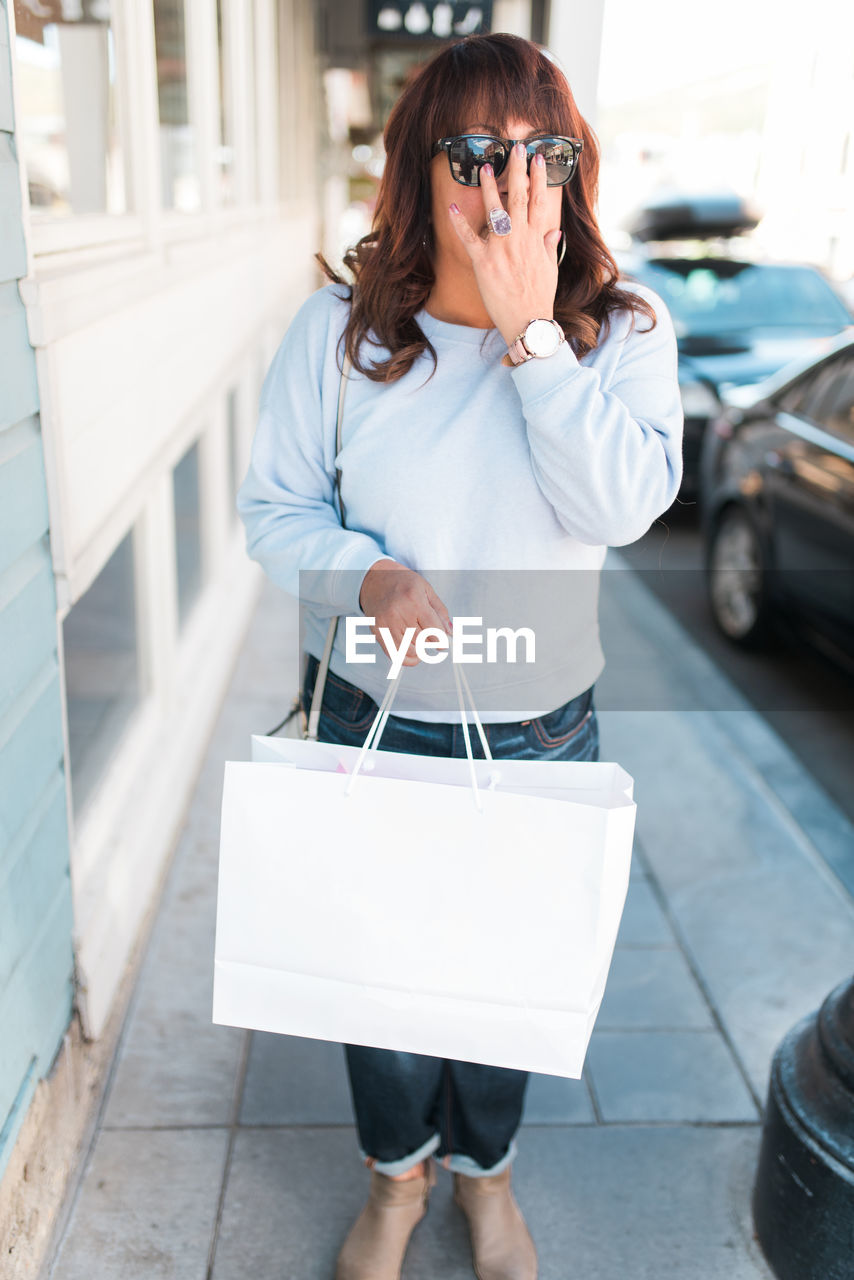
column 559, row 157
column 469, row 155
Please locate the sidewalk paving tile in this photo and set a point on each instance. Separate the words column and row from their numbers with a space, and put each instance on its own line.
column 171, row 1073
column 667, row 1076
column 637, row 870
column 640, row 1203
column 652, row 987
column 644, row 924
column 290, row 1198
column 557, row 1100
column 748, row 894
column 147, row 1207
column 290, row 1080
column 268, row 665
column 605, row 1204
column 802, row 795
column 175, row 1067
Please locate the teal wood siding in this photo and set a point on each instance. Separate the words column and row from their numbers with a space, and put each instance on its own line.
column 36, row 961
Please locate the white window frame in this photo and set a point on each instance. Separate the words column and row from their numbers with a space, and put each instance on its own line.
column 73, row 240
column 160, row 642
column 47, row 234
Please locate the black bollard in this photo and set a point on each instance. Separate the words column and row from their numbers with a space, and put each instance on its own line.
column 803, row 1197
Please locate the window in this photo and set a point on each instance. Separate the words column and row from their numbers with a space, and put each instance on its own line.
column 188, row 531
column 722, row 296
column 793, row 399
column 68, row 127
column 830, row 402
column 101, row 669
column 826, row 396
column 178, row 159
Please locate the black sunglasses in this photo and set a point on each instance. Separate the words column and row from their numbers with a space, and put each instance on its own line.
column 469, row 152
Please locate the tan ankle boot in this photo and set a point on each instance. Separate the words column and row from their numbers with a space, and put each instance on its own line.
column 377, row 1242
column 502, row 1248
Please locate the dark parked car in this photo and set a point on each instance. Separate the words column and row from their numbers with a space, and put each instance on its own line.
column 736, row 320
column 777, row 505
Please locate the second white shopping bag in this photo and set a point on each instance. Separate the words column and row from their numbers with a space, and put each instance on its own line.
column 465, row 909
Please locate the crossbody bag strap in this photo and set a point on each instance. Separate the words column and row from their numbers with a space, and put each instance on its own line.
column 323, row 669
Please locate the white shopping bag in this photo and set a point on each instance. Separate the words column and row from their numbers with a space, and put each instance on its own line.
column 404, row 910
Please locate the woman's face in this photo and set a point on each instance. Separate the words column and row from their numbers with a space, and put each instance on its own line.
column 445, row 190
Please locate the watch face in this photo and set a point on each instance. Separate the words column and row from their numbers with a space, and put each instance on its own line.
column 542, row 338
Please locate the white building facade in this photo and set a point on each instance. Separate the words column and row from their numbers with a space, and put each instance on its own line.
column 159, row 181
column 169, row 239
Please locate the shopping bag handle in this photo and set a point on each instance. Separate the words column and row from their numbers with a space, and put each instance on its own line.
column 372, row 741
column 466, row 736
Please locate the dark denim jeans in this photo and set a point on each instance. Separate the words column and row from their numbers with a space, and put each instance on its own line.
column 408, row 1105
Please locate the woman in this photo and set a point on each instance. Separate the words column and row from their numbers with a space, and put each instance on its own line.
column 472, row 439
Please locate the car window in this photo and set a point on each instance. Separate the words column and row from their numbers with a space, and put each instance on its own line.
column 826, row 396
column 796, row 397
column 833, row 409
column 717, row 295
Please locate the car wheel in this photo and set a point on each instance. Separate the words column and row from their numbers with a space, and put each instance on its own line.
column 737, row 581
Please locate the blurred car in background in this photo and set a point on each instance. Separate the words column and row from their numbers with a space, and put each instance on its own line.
column 736, row 320
column 777, row 505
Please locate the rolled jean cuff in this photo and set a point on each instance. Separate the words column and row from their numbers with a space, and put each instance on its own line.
column 391, row 1168
column 471, row 1169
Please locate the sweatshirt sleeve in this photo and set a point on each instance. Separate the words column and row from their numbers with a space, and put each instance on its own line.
column 287, row 500
column 609, row 461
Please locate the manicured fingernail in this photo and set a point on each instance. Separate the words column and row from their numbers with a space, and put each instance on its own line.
column 455, row 208
column 539, row 161
column 487, row 169
column 519, row 148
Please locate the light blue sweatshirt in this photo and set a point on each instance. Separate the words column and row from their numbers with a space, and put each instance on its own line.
column 479, row 467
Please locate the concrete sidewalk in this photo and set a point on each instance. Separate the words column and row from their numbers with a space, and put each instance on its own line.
column 222, row 1153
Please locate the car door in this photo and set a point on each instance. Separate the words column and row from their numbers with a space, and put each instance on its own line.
column 810, row 485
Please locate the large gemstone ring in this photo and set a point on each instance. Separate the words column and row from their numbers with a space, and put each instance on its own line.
column 499, row 221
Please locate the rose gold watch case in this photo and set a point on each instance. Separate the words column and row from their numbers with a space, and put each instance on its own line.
column 519, row 351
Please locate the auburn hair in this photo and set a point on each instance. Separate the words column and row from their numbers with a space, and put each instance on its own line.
column 491, row 78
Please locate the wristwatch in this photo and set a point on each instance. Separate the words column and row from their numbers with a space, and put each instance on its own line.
column 540, row 339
